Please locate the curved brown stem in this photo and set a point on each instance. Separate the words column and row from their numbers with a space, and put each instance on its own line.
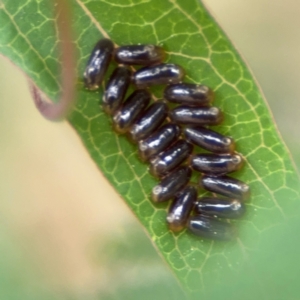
column 57, row 111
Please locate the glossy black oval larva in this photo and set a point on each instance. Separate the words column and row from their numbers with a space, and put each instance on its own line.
column 181, row 208
column 216, row 164
column 139, row 54
column 159, row 141
column 171, row 184
column 189, row 94
column 98, row 63
column 209, row 139
column 150, row 120
column 131, row 109
column 209, row 227
column 116, row 89
column 226, row 186
column 187, row 115
column 220, row 207
column 158, row 74
column 171, row 158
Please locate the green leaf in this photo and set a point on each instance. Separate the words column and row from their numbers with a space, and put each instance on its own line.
column 265, row 253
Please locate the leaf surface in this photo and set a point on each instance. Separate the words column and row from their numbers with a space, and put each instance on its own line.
column 192, row 39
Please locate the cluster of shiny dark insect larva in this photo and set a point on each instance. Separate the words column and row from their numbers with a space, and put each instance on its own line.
column 165, row 136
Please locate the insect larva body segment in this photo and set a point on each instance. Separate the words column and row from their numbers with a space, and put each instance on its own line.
column 149, row 121
column 220, row 207
column 226, row 186
column 209, row 227
column 181, row 208
column 131, row 109
column 159, row 141
column 171, row 158
column 187, row 115
column 98, row 63
column 209, row 139
column 139, row 54
column 158, row 74
column 216, row 164
column 116, row 89
column 171, row 184
column 189, row 94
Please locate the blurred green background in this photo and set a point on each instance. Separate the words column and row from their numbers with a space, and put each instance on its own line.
column 65, row 234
